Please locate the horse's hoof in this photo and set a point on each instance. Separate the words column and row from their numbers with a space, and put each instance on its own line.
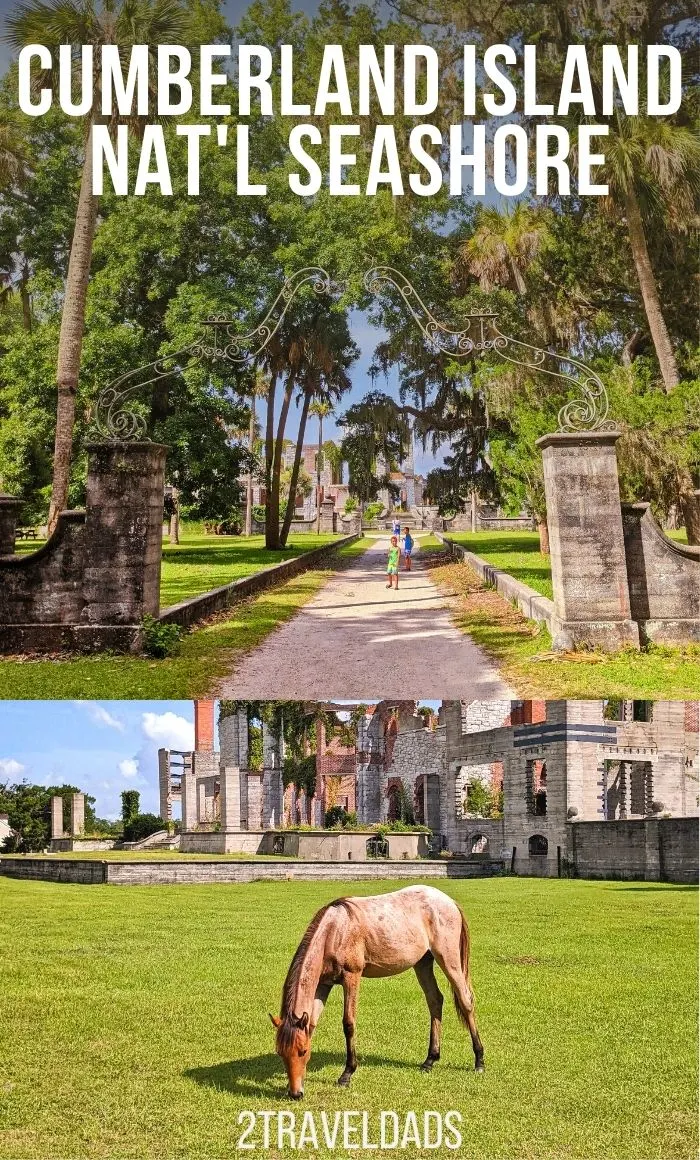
column 479, row 1069
column 427, row 1066
column 344, row 1081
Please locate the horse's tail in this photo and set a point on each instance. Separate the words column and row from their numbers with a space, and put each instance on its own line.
column 462, row 1010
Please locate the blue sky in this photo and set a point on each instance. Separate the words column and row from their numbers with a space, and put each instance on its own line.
column 103, row 747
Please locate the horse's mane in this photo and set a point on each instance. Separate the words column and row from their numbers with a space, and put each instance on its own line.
column 286, row 1029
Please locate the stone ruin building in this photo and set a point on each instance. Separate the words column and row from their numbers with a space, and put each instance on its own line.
column 540, row 767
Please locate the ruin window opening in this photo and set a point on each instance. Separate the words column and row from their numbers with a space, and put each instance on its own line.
column 642, row 710
column 479, row 844
column 537, row 846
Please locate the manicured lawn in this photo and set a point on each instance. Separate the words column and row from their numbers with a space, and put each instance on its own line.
column 150, row 856
column 517, row 553
column 135, row 1022
column 199, row 563
column 204, row 655
column 523, row 650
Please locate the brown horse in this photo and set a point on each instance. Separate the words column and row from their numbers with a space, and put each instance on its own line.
column 376, row 937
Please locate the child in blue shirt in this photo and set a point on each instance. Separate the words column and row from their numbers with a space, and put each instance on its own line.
column 407, row 548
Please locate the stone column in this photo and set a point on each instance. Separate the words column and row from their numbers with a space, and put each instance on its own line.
column 273, row 807
column 255, row 800
column 189, row 799
column 123, row 532
column 233, row 738
column 230, row 798
column 327, row 515
column 164, row 784
column 57, row 830
column 77, row 814
column 589, row 569
column 9, row 513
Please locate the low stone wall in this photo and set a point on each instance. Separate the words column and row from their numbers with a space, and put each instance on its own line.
column 226, row 842
column 171, row 873
column 463, row 523
column 530, row 603
column 663, row 577
column 86, row 845
column 652, row 849
column 188, row 612
column 90, row 872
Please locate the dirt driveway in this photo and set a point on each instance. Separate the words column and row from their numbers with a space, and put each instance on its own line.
column 359, row 640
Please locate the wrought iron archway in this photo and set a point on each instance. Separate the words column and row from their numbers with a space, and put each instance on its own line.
column 221, row 340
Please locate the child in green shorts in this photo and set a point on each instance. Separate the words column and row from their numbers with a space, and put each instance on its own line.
column 392, row 564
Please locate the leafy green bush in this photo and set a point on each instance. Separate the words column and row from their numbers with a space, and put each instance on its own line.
column 142, row 826
column 337, row 817
column 399, row 827
column 259, row 513
column 373, row 510
column 350, row 505
column 160, row 639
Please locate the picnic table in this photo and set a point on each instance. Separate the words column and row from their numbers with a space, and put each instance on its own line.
column 27, row 534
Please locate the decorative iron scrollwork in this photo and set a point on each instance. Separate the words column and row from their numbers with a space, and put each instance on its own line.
column 588, row 411
column 114, row 420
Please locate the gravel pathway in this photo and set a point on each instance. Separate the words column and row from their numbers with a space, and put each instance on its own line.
column 359, row 640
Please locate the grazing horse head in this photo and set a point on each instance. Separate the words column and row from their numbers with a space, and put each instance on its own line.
column 293, row 1045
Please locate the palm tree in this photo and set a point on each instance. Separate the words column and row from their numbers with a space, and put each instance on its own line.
column 260, row 388
column 15, row 172
column 321, row 408
column 322, row 376
column 52, row 23
column 652, row 169
column 503, row 246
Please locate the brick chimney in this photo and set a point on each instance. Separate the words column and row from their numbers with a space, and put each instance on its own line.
column 204, row 726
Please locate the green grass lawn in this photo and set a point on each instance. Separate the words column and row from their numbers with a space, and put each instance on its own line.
column 204, row 656
column 135, row 1021
column 199, row 563
column 150, row 856
column 523, row 650
column 517, row 553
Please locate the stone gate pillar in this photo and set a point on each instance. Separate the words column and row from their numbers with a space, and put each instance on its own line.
column 327, row 515
column 9, row 512
column 124, row 532
column 589, row 569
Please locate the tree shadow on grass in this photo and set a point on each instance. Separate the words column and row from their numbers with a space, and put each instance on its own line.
column 263, row 1075
column 668, row 888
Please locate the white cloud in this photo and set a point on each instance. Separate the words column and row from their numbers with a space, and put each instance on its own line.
column 168, row 730
column 11, row 768
column 129, row 767
column 100, row 716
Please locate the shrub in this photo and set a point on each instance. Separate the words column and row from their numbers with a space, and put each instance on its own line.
column 259, row 513
column 373, row 510
column 337, row 817
column 160, row 639
column 142, row 826
column 350, row 505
